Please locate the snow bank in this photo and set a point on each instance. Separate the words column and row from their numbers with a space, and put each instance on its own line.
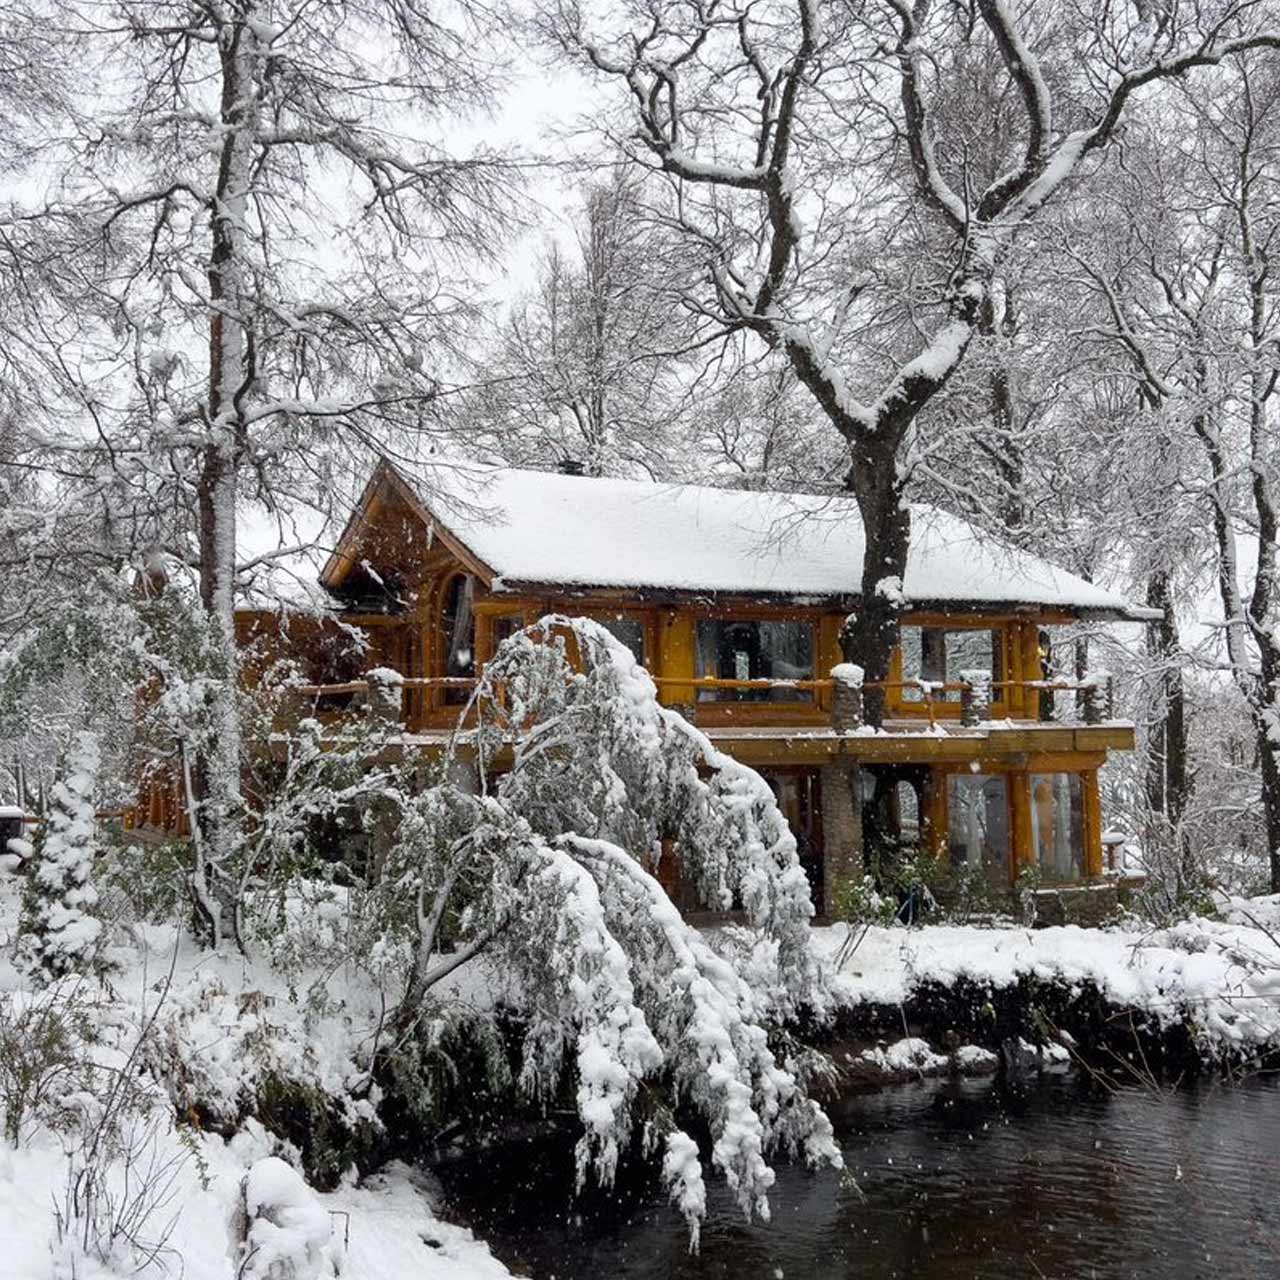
column 1223, row 977
column 378, row 1230
column 223, row 1024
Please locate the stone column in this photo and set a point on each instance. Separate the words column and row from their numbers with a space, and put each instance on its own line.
column 841, row 829
column 841, row 782
column 846, row 701
column 385, row 698
column 975, row 697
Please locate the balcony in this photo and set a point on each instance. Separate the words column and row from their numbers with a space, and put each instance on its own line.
column 949, row 722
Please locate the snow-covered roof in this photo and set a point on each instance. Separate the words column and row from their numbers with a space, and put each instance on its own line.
column 545, row 528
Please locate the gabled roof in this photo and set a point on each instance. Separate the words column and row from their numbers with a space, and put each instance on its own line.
column 519, row 529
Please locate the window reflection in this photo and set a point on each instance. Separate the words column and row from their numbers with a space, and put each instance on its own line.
column 1057, row 825
column 937, row 655
column 978, row 826
column 630, row 631
column 749, row 649
column 459, row 629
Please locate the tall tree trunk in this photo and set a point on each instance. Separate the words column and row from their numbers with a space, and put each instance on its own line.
column 217, row 773
column 1002, row 449
column 871, row 632
column 1167, row 781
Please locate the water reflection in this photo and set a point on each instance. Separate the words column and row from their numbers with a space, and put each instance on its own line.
column 947, row 1180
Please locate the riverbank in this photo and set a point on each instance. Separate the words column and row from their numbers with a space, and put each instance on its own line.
column 1198, row 994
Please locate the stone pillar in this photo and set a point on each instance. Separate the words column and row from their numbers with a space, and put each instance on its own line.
column 975, row 697
column 846, row 701
column 1097, row 698
column 841, row 828
column 384, row 698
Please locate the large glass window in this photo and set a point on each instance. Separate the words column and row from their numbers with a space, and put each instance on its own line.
column 748, row 649
column 978, row 827
column 1057, row 825
column 937, row 655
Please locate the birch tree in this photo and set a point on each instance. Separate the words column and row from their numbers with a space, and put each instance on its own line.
column 271, row 212
column 811, row 154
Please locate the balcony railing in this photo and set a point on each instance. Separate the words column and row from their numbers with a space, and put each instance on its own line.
column 1096, row 694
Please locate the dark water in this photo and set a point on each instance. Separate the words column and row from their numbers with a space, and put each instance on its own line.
column 948, row 1180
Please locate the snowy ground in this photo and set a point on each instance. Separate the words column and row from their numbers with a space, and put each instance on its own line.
column 387, row 1223
column 226, row 1022
column 1224, row 975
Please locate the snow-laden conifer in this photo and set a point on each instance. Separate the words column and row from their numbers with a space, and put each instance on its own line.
column 59, row 929
column 552, row 872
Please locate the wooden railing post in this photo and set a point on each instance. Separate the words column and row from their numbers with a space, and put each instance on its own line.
column 846, row 697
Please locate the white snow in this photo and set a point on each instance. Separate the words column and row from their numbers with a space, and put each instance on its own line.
column 848, row 673
column 1225, row 974
column 381, row 1229
column 542, row 527
column 229, row 1021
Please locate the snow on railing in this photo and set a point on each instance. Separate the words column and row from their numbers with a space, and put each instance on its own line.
column 975, row 693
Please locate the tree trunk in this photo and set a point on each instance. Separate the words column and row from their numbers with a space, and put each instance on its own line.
column 1002, row 449
column 217, row 773
column 1167, row 781
column 871, row 632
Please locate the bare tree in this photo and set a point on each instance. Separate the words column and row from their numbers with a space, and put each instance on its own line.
column 263, row 212
column 596, row 363
column 1190, row 302
column 777, row 130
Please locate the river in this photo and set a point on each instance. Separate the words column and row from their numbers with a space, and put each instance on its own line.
column 1065, row 1181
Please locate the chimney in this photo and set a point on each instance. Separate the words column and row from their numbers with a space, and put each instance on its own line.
column 571, row 467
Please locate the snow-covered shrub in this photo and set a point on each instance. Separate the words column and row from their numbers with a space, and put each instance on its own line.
column 280, row 1231
column 59, row 932
column 118, row 1201
column 554, row 863
column 144, row 883
column 45, row 1067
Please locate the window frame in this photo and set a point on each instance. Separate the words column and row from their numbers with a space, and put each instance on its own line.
column 1002, row 627
column 805, row 699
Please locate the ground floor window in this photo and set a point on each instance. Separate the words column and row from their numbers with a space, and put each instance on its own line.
column 753, row 649
column 1057, row 825
column 800, row 799
column 979, row 830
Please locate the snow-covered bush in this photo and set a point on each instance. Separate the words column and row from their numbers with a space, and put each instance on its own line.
column 60, row 930
column 45, row 1066
column 551, row 871
column 281, row 1232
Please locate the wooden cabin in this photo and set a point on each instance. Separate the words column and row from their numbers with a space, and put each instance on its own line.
column 734, row 601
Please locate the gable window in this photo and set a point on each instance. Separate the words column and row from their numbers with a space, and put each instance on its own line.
column 458, row 629
column 751, row 649
column 937, row 655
